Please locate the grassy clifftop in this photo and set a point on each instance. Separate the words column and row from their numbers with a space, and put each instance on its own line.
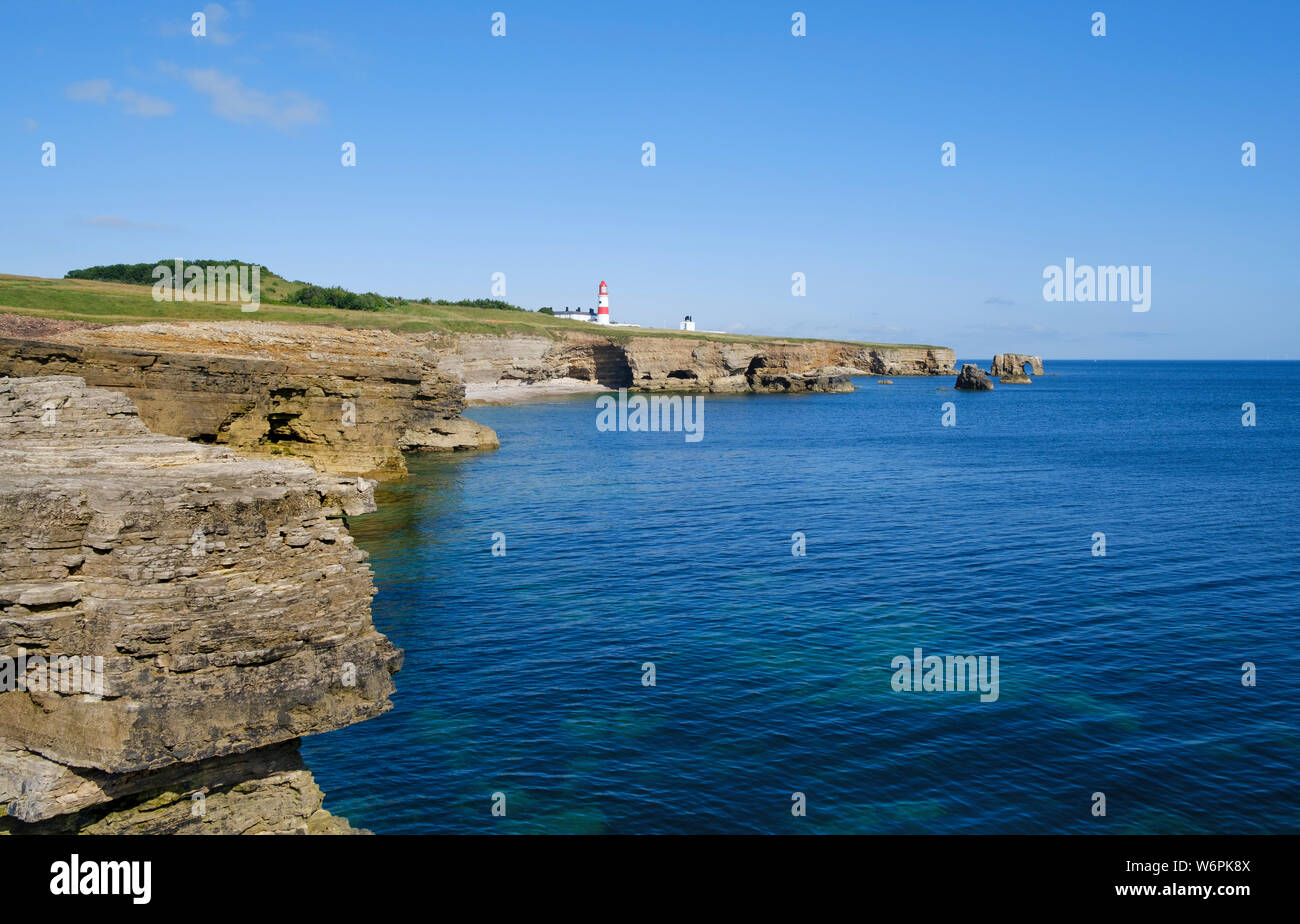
column 123, row 303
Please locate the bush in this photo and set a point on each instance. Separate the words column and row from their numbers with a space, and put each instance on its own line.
column 480, row 303
column 142, row 273
column 338, row 297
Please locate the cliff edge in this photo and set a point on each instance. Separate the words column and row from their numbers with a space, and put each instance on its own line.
column 658, row 362
column 348, row 401
column 172, row 619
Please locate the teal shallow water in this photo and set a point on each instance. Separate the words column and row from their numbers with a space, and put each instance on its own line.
column 1118, row 674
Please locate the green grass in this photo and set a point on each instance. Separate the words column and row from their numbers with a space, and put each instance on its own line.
column 122, row 303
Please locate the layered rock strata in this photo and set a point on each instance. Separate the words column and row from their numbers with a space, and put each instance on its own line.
column 656, row 363
column 347, row 401
column 172, row 619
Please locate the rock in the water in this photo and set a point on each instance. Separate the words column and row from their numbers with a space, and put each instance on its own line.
column 447, row 435
column 972, row 378
column 1021, row 379
column 1013, row 365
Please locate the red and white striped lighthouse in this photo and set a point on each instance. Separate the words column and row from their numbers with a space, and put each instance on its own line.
column 602, row 304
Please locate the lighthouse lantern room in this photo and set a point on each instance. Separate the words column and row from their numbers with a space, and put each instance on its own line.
column 602, row 304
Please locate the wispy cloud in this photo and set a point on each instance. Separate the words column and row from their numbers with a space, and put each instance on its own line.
column 998, row 300
column 1008, row 328
column 141, row 104
column 232, row 100
column 133, row 103
column 218, row 19
column 117, row 221
column 90, row 91
column 30, row 125
column 311, row 41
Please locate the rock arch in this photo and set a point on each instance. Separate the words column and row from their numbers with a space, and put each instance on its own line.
column 1013, row 365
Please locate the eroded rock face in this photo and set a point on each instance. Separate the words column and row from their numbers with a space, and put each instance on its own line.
column 347, row 401
column 664, row 363
column 264, row 791
column 1011, row 366
column 216, row 605
column 972, row 378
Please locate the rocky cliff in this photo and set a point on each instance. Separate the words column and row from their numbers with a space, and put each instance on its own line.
column 658, row 362
column 172, row 619
column 347, row 401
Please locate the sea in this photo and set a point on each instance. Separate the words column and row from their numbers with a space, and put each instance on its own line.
column 629, row 632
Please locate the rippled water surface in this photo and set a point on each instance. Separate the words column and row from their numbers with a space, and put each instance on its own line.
column 1119, row 674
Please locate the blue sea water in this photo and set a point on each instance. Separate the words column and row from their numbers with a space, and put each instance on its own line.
column 1119, row 674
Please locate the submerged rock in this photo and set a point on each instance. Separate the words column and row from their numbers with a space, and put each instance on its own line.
column 783, row 380
column 972, row 378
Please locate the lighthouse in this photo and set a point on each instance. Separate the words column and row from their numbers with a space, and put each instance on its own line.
column 602, row 304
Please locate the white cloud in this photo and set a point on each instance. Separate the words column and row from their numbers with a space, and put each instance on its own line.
column 232, row 100
column 217, row 17
column 133, row 103
column 90, row 91
column 143, row 105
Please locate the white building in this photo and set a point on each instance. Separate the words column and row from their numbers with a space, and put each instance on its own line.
column 687, row 324
column 577, row 314
column 597, row 315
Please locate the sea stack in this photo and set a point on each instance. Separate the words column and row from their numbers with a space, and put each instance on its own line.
column 972, row 378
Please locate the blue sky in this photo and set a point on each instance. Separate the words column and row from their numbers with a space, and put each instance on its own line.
column 774, row 154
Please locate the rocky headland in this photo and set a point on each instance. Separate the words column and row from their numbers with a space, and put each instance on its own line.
column 511, row 365
column 173, row 539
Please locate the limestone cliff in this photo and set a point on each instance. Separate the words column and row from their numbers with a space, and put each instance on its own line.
column 179, row 617
column 659, row 362
column 347, row 401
